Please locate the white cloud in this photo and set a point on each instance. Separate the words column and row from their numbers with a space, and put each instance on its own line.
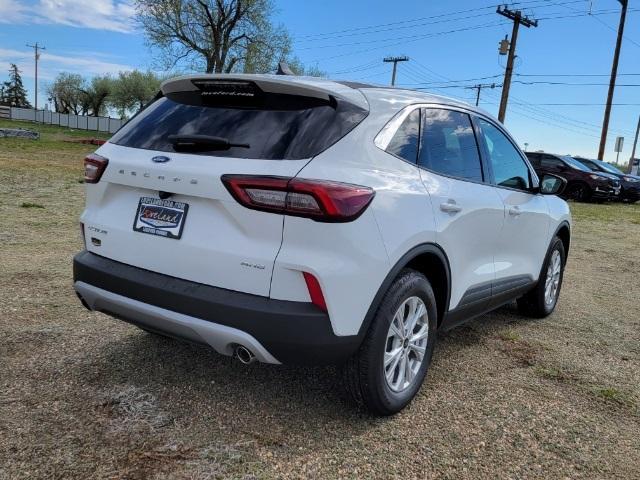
column 12, row 12
column 112, row 15
column 50, row 65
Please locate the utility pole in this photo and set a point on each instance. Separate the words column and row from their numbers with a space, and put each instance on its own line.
column 479, row 87
column 395, row 61
column 36, row 49
column 633, row 151
column 612, row 81
column 518, row 19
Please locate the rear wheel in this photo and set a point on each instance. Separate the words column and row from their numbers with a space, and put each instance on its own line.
column 542, row 300
column 392, row 362
column 579, row 192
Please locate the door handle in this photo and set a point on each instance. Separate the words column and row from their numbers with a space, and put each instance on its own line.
column 515, row 211
column 450, row 206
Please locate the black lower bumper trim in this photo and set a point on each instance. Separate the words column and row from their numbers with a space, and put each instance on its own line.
column 293, row 332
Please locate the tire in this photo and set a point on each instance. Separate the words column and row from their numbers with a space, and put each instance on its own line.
column 365, row 374
column 536, row 303
column 578, row 191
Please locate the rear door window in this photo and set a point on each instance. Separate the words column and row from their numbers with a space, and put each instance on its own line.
column 280, row 127
column 552, row 162
column 448, row 144
column 404, row 143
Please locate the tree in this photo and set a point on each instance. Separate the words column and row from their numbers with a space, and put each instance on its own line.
column 215, row 35
column 133, row 90
column 96, row 95
column 13, row 91
column 67, row 93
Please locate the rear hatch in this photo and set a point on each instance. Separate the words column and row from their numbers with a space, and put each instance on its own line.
column 160, row 204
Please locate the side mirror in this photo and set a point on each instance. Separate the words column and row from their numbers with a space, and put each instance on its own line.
column 551, row 184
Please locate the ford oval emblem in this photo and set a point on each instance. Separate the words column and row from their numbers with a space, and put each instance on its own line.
column 160, row 159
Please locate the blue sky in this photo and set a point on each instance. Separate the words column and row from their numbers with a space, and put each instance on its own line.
column 448, row 43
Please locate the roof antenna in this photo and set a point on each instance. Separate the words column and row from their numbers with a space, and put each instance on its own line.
column 283, row 69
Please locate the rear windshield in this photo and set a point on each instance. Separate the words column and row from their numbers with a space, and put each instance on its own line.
column 282, row 127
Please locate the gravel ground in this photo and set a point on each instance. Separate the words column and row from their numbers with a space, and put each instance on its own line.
column 84, row 396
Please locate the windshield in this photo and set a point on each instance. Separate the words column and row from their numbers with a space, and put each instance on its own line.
column 576, row 164
column 607, row 167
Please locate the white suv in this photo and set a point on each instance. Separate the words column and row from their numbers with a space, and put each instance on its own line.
column 290, row 219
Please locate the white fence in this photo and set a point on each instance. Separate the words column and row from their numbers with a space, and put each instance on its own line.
column 79, row 122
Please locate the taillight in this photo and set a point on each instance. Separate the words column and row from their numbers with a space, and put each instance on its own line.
column 94, row 166
column 321, row 200
column 315, row 292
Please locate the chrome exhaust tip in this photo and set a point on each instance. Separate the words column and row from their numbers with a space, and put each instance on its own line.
column 244, row 355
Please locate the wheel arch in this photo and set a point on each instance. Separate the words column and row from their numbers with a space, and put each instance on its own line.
column 428, row 259
column 563, row 232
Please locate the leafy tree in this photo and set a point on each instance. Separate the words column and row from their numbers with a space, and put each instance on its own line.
column 13, row 91
column 96, row 94
column 66, row 93
column 215, row 35
column 133, row 90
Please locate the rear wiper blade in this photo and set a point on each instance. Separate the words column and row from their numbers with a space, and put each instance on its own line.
column 203, row 142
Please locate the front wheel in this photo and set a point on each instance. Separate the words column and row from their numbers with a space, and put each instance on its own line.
column 392, row 362
column 541, row 301
column 580, row 192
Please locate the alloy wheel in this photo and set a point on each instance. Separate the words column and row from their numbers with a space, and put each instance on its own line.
column 552, row 282
column 406, row 344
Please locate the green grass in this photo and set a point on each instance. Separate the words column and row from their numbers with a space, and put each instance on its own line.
column 31, row 205
column 606, row 213
column 509, row 336
column 615, row 395
column 53, row 130
column 54, row 141
column 550, row 372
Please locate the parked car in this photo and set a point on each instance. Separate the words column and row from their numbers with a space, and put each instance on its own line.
column 630, row 184
column 287, row 220
column 583, row 184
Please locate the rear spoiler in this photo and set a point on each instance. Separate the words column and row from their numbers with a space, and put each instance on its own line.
column 281, row 84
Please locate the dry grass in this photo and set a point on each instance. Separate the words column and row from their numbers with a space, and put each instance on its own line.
column 85, row 396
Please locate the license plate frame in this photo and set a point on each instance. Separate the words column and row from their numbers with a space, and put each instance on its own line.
column 162, row 218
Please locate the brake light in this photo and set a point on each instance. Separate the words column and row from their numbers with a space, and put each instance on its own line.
column 320, row 200
column 94, row 166
column 315, row 292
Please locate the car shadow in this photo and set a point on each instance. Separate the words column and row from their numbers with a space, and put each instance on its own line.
column 198, row 387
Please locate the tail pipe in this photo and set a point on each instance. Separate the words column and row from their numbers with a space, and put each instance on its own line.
column 243, row 354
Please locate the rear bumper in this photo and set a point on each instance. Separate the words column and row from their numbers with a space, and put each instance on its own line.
column 276, row 331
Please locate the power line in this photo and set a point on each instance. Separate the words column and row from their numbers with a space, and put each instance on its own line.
column 541, row 82
column 602, row 22
column 592, row 14
column 572, row 74
column 409, row 38
column 519, row 105
column 389, row 45
column 371, row 28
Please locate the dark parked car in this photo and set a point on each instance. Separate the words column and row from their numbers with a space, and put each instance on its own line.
column 583, row 184
column 630, row 183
